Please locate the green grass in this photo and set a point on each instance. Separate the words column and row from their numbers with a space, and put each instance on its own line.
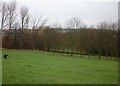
column 0, row 66
column 38, row 67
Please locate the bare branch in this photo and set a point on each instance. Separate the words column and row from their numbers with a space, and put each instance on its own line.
column 24, row 16
column 4, row 14
column 74, row 23
column 11, row 14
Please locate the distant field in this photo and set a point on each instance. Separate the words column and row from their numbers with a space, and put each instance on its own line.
column 38, row 67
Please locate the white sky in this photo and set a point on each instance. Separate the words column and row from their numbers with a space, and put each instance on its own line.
column 89, row 11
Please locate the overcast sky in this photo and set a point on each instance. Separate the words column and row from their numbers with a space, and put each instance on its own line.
column 89, row 11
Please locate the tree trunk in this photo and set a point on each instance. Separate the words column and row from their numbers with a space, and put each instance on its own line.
column 106, row 54
column 80, row 54
column 32, row 38
column 117, row 56
column 67, row 51
column 20, row 46
column 99, row 56
column 62, row 51
column 71, row 52
column 15, row 39
column 53, row 53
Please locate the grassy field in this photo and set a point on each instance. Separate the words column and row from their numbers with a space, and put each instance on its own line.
column 38, row 67
column 0, row 66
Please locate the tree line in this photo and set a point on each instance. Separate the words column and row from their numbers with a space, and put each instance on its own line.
column 75, row 38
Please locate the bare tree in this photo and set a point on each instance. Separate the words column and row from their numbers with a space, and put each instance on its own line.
column 103, row 38
column 24, row 16
column 56, row 29
column 72, row 24
column 11, row 15
column 4, row 14
column 37, row 23
column 24, row 20
column 100, row 34
column 16, row 27
column 56, row 25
